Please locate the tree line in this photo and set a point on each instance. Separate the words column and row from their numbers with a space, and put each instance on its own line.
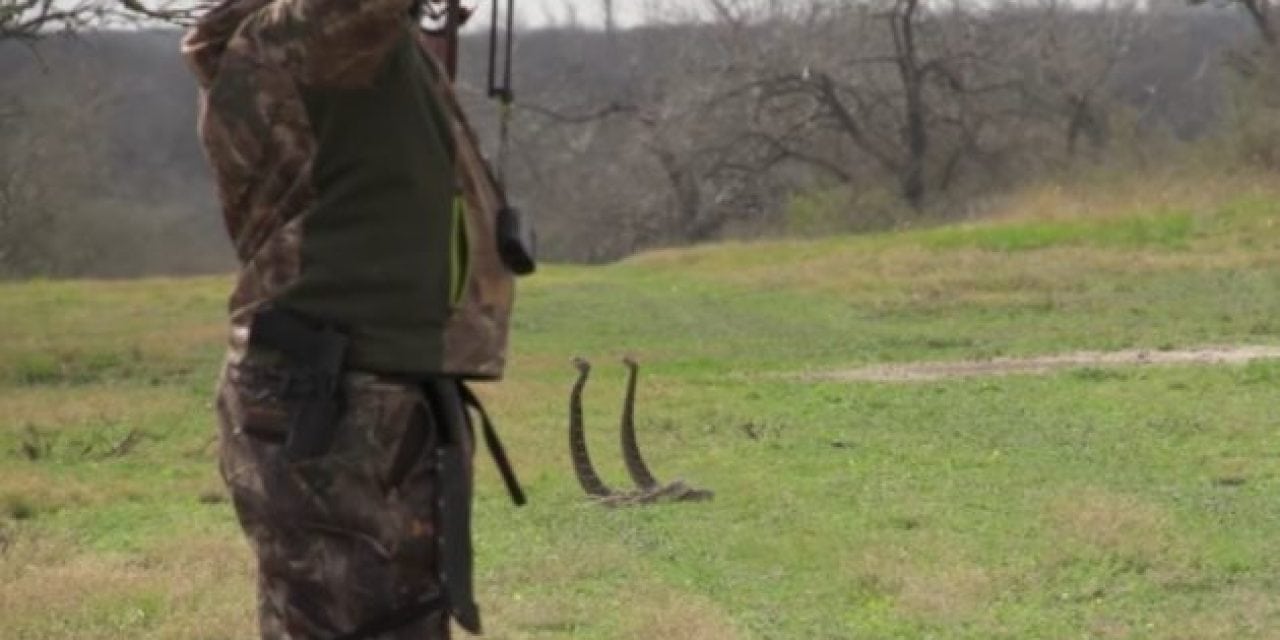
column 741, row 119
column 810, row 116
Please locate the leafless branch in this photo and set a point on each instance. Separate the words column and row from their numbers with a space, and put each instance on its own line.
column 581, row 117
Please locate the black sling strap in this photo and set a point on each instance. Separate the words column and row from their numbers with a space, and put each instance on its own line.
column 496, row 449
column 449, row 406
column 454, row 509
column 413, row 441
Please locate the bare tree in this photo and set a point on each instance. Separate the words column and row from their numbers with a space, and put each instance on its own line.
column 610, row 19
column 1074, row 53
column 28, row 20
column 655, row 123
column 174, row 12
column 712, row 128
column 52, row 149
column 27, row 197
column 44, row 180
column 1260, row 12
column 895, row 83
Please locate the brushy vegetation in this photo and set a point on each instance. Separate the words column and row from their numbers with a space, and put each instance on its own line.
column 1097, row 502
column 772, row 118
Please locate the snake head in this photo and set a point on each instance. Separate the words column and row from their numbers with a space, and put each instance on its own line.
column 582, row 365
column 630, row 362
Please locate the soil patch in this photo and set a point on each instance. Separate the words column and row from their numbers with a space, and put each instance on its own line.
column 926, row 371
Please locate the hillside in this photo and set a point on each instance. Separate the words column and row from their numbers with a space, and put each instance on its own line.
column 1095, row 501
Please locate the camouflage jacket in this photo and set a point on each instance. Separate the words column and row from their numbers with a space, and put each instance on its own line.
column 351, row 185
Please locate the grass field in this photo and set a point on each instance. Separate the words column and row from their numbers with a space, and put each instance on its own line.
column 1091, row 503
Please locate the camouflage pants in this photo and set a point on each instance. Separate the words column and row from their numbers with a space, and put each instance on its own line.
column 349, row 537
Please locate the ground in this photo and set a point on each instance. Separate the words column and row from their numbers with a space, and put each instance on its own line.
column 944, row 370
column 1087, row 501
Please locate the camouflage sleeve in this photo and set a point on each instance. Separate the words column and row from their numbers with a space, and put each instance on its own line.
column 328, row 42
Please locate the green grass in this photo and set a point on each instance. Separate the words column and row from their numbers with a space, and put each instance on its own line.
column 1170, row 231
column 1095, row 502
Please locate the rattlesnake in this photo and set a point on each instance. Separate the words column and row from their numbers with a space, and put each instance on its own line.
column 648, row 489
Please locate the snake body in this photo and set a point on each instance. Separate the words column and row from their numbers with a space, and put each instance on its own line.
column 648, row 489
column 582, row 467
column 636, row 467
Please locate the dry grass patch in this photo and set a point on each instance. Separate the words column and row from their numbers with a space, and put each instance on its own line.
column 26, row 491
column 1232, row 468
column 945, row 590
column 1113, row 523
column 674, row 615
column 1233, row 471
column 947, row 594
column 1236, row 614
column 973, row 276
column 172, row 591
column 645, row 610
column 559, row 596
column 542, row 597
column 1111, row 194
column 82, row 407
column 1104, row 628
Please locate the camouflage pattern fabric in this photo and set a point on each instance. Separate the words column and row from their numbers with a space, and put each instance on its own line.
column 253, row 61
column 345, row 538
column 353, row 535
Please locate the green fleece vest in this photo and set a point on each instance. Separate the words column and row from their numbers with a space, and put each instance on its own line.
column 383, row 248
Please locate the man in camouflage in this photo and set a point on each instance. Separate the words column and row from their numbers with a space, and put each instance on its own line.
column 370, row 286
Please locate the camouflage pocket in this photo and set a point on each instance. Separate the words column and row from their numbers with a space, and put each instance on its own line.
column 335, row 547
column 254, row 401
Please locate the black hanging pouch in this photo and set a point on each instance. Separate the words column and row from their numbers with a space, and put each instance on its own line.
column 314, row 356
column 517, row 241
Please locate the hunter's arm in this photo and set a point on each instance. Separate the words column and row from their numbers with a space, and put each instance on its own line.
column 328, row 43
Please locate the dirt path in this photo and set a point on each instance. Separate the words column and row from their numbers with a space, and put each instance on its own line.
column 926, row 371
